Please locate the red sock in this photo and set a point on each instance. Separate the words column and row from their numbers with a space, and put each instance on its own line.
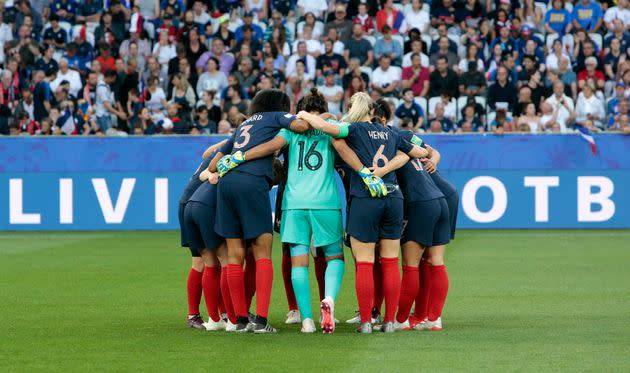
column 211, row 283
column 288, row 285
column 193, row 286
column 220, row 304
column 378, row 286
column 225, row 294
column 365, row 290
column 320, row 273
column 264, row 281
column 408, row 292
column 250, row 279
column 391, row 287
column 421, row 311
column 236, row 282
column 438, row 290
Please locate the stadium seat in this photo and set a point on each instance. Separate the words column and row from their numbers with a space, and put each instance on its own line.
column 427, row 40
column 366, row 69
column 550, row 38
column 598, row 39
column 461, row 102
column 540, row 36
column 433, row 101
column 422, row 101
column 399, row 39
column 370, row 38
column 89, row 36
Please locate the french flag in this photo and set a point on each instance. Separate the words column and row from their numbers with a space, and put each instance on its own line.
column 66, row 122
column 586, row 136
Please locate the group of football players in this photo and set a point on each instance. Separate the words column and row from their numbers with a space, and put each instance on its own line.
column 394, row 196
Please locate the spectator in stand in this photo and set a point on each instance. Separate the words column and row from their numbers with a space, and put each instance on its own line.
column 502, row 90
column 558, row 19
column 591, row 72
column 470, row 122
column 212, row 76
column 309, row 63
column 613, row 59
column 587, row 15
column 531, row 119
column 332, row 92
column 417, row 17
column 42, row 94
column 472, row 55
column 155, row 99
column 164, row 50
column 316, row 26
column 387, row 46
column 502, row 122
column 416, row 47
column 335, row 61
column 226, row 59
column 358, row 47
column 442, row 32
column 340, row 23
column 270, row 72
column 203, row 125
column 246, row 76
column 505, row 41
column 354, row 70
column 449, row 105
column 388, row 15
column 46, row 62
column 561, row 102
column 472, row 82
column 589, row 107
column 619, row 33
column 105, row 106
column 317, row 7
column 386, row 79
column 233, row 99
column 69, row 75
column 313, row 46
column 257, row 32
column 612, row 107
column 439, row 116
column 443, row 79
column 557, row 53
column 416, row 77
column 443, row 14
column 443, row 51
column 364, row 19
column 55, row 35
column 410, row 109
column 621, row 124
column 183, row 95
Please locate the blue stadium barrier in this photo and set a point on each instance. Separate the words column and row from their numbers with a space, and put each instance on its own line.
column 511, row 181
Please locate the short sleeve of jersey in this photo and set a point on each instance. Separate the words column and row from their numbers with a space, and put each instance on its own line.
column 402, row 144
column 285, row 119
column 229, row 145
column 343, row 128
column 286, row 134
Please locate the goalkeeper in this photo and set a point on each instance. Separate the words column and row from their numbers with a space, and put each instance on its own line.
column 311, row 206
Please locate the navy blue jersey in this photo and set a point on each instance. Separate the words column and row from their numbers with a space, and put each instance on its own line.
column 206, row 194
column 375, row 145
column 415, row 182
column 444, row 185
column 194, row 181
column 258, row 129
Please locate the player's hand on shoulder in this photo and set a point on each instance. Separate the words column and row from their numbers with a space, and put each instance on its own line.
column 213, row 178
column 429, row 165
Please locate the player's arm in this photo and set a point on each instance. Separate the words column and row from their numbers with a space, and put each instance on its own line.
column 226, row 148
column 375, row 184
column 399, row 160
column 212, row 148
column 336, row 131
column 266, row 149
column 431, row 162
column 299, row 126
column 417, row 150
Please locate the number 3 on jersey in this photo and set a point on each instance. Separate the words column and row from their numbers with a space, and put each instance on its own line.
column 244, row 137
column 305, row 159
column 379, row 156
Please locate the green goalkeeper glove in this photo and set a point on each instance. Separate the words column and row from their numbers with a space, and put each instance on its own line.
column 230, row 162
column 375, row 184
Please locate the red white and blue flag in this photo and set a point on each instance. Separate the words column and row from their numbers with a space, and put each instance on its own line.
column 585, row 134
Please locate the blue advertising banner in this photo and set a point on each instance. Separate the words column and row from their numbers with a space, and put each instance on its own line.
column 516, row 181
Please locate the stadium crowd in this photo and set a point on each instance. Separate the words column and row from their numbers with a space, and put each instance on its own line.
column 121, row 67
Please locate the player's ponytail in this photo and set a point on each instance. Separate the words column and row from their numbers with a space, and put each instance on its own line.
column 360, row 106
column 314, row 101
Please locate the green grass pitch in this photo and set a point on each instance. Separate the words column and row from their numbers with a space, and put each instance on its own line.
column 115, row 301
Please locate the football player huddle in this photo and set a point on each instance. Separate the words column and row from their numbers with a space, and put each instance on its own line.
column 394, row 196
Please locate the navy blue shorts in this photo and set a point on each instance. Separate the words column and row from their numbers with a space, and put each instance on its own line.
column 243, row 206
column 453, row 206
column 371, row 219
column 199, row 221
column 182, row 231
column 427, row 223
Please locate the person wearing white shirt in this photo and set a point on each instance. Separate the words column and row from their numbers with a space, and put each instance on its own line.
column 590, row 107
column 417, row 17
column 65, row 73
column 311, row 63
column 6, row 35
column 385, row 78
column 199, row 13
column 313, row 46
column 164, row 51
column 416, row 47
column 317, row 7
column 551, row 115
column 620, row 12
column 551, row 62
column 332, row 92
column 559, row 101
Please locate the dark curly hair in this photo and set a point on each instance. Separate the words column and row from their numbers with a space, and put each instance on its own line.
column 313, row 101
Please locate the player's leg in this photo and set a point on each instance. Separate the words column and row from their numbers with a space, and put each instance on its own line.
column 211, row 284
column 421, row 308
column 261, row 248
column 320, row 272
column 390, row 230
column 411, row 255
column 236, row 280
column 301, row 286
column 293, row 317
column 195, row 274
column 225, row 289
column 250, row 278
column 363, row 227
column 378, row 288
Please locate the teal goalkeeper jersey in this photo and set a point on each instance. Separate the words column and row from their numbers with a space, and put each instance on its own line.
column 311, row 183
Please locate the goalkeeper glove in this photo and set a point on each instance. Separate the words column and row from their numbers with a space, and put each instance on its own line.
column 375, row 184
column 230, row 162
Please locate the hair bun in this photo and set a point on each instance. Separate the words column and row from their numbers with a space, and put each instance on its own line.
column 314, row 91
